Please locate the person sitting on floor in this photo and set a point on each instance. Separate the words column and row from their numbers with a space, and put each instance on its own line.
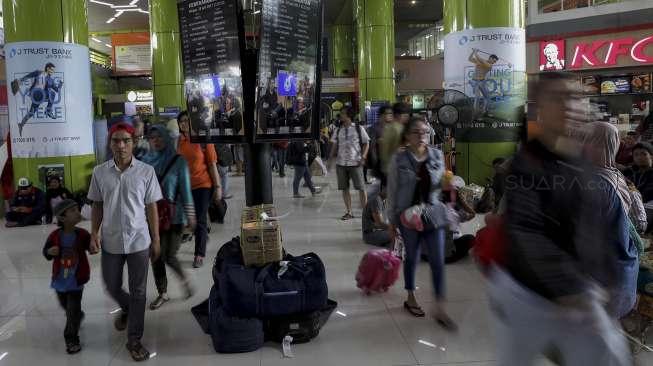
column 55, row 193
column 375, row 221
column 27, row 206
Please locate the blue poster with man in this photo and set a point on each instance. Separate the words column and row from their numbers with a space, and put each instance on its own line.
column 40, row 87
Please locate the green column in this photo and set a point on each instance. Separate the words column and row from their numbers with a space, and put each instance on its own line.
column 342, row 50
column 167, row 73
column 474, row 162
column 54, row 21
column 376, row 50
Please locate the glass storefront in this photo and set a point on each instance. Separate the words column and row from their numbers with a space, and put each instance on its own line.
column 428, row 44
column 550, row 6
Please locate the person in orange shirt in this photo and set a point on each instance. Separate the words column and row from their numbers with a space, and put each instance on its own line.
column 204, row 181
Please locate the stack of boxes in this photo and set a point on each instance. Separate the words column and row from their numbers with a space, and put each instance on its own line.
column 260, row 238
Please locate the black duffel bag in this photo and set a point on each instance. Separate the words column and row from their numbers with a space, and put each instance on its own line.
column 231, row 334
column 217, row 212
column 296, row 285
column 301, row 327
column 229, row 253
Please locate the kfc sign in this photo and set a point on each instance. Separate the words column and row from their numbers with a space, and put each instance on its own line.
column 605, row 53
column 552, row 55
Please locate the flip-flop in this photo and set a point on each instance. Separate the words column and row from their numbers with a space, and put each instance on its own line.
column 138, row 352
column 415, row 311
column 346, row 217
column 445, row 322
column 72, row 348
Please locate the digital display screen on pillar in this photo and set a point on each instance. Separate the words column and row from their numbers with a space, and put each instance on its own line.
column 212, row 69
column 288, row 78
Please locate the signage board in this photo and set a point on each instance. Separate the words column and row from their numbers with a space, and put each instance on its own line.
column 288, row 92
column 212, row 69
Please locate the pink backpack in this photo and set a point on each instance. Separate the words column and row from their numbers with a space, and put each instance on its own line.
column 378, row 270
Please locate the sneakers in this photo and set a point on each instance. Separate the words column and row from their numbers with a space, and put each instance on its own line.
column 121, row 321
column 198, row 262
column 160, row 300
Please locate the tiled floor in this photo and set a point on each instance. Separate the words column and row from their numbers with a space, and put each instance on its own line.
column 368, row 330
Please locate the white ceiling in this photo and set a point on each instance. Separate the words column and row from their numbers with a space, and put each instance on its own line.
column 128, row 14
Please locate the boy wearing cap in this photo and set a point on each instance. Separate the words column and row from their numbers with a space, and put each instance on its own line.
column 66, row 247
column 27, row 207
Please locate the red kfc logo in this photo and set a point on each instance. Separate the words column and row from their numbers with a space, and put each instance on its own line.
column 552, row 55
column 587, row 54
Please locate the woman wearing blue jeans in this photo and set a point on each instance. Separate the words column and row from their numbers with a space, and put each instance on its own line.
column 414, row 178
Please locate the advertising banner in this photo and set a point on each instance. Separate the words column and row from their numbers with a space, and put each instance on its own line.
column 50, row 106
column 488, row 65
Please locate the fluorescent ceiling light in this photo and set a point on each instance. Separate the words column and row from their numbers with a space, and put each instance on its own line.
column 134, row 2
column 96, row 40
column 101, row 3
column 143, row 11
column 111, row 20
column 108, row 45
column 123, row 6
column 256, row 12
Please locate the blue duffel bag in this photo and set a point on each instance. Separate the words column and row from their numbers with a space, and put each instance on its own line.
column 232, row 334
column 295, row 285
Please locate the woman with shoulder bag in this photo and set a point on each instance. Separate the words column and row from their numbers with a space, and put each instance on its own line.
column 179, row 210
column 205, row 183
column 414, row 182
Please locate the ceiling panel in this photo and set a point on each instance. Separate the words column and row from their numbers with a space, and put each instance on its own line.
column 99, row 11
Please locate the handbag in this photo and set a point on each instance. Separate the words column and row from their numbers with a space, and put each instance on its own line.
column 165, row 207
column 435, row 216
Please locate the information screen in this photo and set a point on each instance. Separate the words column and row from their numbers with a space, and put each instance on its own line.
column 212, row 71
column 288, row 61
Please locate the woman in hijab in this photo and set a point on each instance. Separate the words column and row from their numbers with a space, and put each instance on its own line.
column 174, row 178
column 615, row 229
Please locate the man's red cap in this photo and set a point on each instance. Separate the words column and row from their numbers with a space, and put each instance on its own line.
column 121, row 127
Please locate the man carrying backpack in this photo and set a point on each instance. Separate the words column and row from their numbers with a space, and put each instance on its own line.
column 351, row 144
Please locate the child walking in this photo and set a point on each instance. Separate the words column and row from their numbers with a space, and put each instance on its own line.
column 67, row 247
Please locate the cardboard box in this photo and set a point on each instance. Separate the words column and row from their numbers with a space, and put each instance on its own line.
column 261, row 243
column 253, row 214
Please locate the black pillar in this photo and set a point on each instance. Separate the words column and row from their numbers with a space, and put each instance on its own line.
column 258, row 174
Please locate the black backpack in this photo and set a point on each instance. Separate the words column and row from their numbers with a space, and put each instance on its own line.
column 225, row 156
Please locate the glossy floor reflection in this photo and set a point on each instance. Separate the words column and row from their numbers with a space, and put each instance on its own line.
column 367, row 330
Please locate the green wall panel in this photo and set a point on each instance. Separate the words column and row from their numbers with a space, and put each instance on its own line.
column 78, row 170
column 167, row 71
column 166, row 59
column 379, row 12
column 32, row 20
column 381, row 59
column 169, row 95
column 380, row 89
column 474, row 162
column 163, row 16
column 75, row 24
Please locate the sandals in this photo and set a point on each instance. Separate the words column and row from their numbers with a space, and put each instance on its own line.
column 445, row 322
column 73, row 347
column 416, row 311
column 138, row 352
column 347, row 216
column 160, row 300
column 121, row 321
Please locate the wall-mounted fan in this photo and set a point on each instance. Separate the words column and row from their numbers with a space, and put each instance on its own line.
column 453, row 107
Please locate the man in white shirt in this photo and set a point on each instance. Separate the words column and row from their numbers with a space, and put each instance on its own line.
column 124, row 192
column 350, row 145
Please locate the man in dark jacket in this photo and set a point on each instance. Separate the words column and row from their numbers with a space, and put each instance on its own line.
column 299, row 154
column 27, row 207
column 547, row 297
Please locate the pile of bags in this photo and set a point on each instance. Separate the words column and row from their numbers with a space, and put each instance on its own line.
column 282, row 300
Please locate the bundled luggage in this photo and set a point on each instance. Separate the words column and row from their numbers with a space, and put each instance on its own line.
column 249, row 305
column 378, row 270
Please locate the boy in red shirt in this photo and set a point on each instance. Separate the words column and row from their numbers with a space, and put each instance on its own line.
column 67, row 247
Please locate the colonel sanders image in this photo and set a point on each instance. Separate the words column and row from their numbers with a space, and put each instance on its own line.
column 551, row 53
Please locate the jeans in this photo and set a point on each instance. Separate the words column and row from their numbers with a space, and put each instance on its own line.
column 528, row 325
column 281, row 161
column 379, row 238
column 71, row 302
column 224, row 179
column 132, row 303
column 202, row 199
column 25, row 219
column 302, row 171
column 170, row 242
column 434, row 241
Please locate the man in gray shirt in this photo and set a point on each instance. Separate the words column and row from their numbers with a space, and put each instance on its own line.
column 124, row 192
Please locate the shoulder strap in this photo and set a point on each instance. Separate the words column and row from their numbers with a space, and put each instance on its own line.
column 360, row 134
column 167, row 169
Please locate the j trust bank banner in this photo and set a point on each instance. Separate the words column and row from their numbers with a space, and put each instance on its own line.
column 49, row 99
